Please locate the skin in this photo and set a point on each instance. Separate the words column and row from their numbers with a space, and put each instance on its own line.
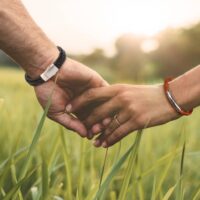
column 28, row 45
column 73, row 79
column 136, row 106
column 84, row 92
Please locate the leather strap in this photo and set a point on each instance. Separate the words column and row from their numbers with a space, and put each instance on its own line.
column 50, row 71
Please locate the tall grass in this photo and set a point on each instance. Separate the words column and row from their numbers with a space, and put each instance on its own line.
column 54, row 163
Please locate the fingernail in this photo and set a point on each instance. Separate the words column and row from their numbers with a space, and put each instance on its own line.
column 96, row 143
column 68, row 108
column 96, row 129
column 90, row 135
column 104, row 145
column 106, row 121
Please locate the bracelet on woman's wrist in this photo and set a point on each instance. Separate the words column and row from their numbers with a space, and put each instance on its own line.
column 172, row 101
column 50, row 71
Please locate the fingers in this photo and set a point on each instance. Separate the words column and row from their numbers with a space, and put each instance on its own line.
column 101, row 112
column 97, row 128
column 109, row 140
column 71, row 123
column 106, row 121
column 93, row 95
column 116, row 122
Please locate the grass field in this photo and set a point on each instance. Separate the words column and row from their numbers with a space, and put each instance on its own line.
column 60, row 165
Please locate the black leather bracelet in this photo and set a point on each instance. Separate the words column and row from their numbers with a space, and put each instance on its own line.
column 50, row 71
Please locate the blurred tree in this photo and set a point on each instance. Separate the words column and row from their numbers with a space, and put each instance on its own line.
column 178, row 52
column 98, row 61
column 129, row 59
column 97, row 57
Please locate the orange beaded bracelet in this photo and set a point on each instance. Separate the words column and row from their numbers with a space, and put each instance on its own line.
column 172, row 100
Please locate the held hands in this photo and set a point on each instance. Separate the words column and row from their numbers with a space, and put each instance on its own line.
column 111, row 112
column 129, row 106
column 73, row 79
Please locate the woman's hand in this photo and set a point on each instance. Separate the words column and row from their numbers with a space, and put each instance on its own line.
column 130, row 106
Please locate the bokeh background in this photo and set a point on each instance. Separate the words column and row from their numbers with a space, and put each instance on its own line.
column 123, row 40
column 126, row 41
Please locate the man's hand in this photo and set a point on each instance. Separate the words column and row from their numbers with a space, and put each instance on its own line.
column 29, row 46
column 73, row 79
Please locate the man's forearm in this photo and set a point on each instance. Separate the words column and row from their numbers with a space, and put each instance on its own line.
column 23, row 40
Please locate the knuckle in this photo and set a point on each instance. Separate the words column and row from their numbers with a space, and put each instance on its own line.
column 89, row 94
column 115, row 136
column 94, row 117
column 131, row 109
column 124, row 97
column 139, row 122
column 121, row 87
column 108, row 131
column 89, row 122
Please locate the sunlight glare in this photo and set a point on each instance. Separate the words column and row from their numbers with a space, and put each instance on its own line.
column 140, row 18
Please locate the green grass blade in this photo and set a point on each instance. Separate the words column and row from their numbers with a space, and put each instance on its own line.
column 103, row 168
column 139, row 184
column 180, row 194
column 14, row 180
column 182, row 159
column 169, row 193
column 81, row 169
column 68, row 169
column 4, row 175
column 14, row 157
column 113, row 195
column 13, row 191
column 127, row 176
column 77, row 195
column 164, row 174
column 45, row 180
column 197, row 195
column 153, row 195
column 113, row 172
column 92, row 192
column 102, row 172
column 160, row 162
column 53, row 155
column 2, row 192
column 34, row 193
column 118, row 150
column 35, row 140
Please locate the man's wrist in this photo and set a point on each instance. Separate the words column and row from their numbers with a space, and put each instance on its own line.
column 40, row 63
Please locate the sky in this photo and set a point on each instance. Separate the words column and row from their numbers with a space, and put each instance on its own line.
column 82, row 25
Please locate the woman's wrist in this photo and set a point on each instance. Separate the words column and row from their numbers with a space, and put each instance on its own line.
column 186, row 89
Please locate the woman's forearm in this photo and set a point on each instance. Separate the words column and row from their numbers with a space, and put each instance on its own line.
column 186, row 89
column 23, row 40
column 134, row 107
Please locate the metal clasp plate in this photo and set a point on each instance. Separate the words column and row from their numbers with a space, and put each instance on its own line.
column 49, row 72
